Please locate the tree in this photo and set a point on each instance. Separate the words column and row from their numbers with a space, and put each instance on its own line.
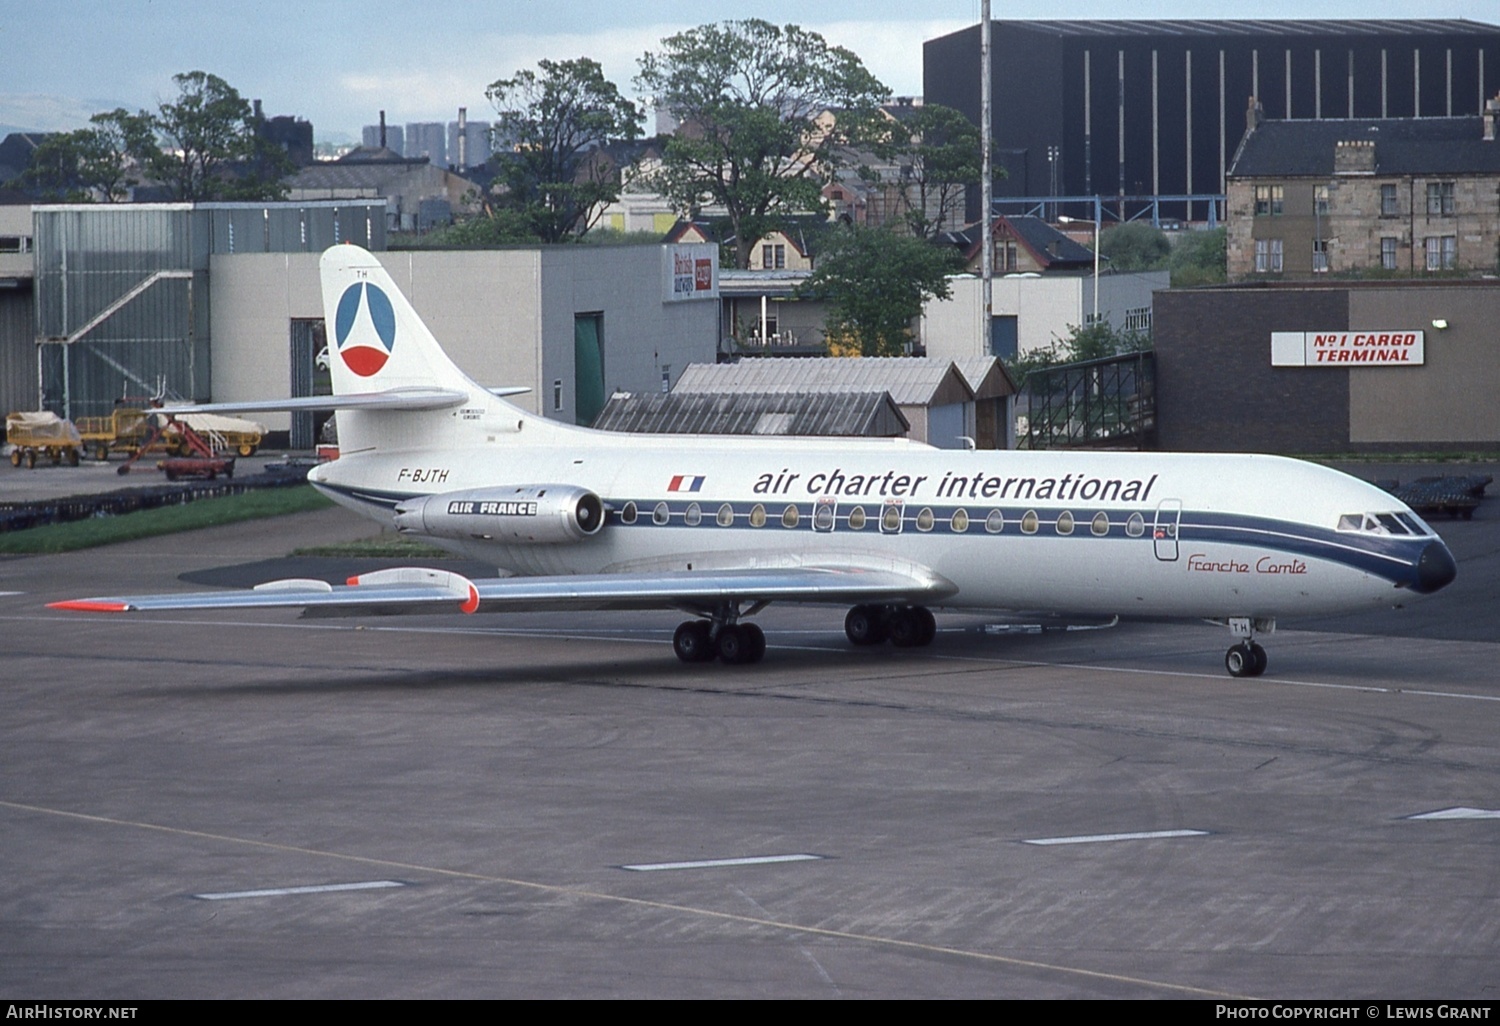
column 1135, row 246
column 766, row 114
column 558, row 123
column 1198, row 259
column 98, row 162
column 876, row 281
column 939, row 154
column 214, row 149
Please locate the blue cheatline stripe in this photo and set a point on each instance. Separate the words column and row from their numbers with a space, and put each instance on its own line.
column 1381, row 555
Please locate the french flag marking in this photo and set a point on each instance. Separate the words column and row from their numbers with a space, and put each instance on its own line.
column 686, row 483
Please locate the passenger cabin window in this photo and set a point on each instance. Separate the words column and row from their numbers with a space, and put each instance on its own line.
column 857, row 518
column 959, row 522
column 995, row 522
column 1065, row 522
column 758, row 516
column 725, row 516
column 628, row 514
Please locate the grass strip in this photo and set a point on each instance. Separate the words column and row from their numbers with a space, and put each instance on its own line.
column 148, row 523
column 381, row 546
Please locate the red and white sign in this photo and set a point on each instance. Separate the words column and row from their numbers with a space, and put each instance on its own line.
column 692, row 271
column 1347, row 348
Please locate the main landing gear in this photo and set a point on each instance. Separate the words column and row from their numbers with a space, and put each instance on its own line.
column 1246, row 658
column 723, row 637
column 903, row 626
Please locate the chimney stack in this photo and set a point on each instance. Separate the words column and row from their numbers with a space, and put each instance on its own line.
column 463, row 138
column 382, row 130
column 1254, row 115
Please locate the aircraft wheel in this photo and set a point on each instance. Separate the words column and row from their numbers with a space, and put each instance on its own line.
column 929, row 624
column 1242, row 660
column 756, row 638
column 906, row 628
column 734, row 646
column 691, row 642
column 865, row 625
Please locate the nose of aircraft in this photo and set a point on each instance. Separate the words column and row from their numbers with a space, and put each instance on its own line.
column 1435, row 568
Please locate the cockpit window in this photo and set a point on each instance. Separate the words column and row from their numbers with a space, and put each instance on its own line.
column 1400, row 524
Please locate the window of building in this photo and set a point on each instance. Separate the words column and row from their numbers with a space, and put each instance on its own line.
column 1320, row 256
column 1005, row 256
column 1320, row 199
column 1388, row 253
column 1442, row 252
column 15, row 243
column 1268, row 200
column 1439, row 199
column 1389, row 206
column 1138, row 318
column 1268, row 254
column 772, row 258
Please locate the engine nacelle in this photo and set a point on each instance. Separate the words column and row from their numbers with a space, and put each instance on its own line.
column 528, row 515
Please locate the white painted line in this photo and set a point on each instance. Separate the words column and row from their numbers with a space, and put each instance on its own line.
column 1461, row 812
column 1149, row 835
column 271, row 892
column 4, row 593
column 752, row 860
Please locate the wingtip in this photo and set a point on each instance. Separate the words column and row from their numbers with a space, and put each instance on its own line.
column 90, row 606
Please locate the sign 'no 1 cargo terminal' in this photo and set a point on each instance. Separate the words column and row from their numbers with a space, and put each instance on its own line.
column 1347, row 348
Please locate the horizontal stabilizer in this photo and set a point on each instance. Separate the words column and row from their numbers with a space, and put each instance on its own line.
column 418, row 398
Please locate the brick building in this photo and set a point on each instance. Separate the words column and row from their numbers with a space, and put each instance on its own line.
column 1409, row 196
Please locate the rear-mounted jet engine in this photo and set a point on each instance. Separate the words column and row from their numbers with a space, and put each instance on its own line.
column 530, row 514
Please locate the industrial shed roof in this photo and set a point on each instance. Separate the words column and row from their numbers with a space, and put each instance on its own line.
column 1287, row 29
column 841, row 414
column 911, row 381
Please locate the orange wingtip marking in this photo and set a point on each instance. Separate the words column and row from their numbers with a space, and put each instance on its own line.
column 353, row 581
column 89, row 606
column 471, row 604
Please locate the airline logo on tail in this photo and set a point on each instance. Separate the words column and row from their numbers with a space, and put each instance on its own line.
column 365, row 342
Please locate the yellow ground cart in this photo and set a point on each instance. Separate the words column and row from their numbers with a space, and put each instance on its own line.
column 125, row 430
column 225, row 434
column 41, row 435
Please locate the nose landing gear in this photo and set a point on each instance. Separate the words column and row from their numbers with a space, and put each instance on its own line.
column 1246, row 658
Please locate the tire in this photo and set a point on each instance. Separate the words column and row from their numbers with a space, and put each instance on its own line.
column 31, row 459
column 246, row 450
column 56, row 456
column 1261, row 660
column 1240, row 661
column 15, row 457
column 757, row 641
column 72, row 457
column 929, row 625
column 734, row 647
column 691, row 642
column 865, row 625
column 905, row 628
column 101, row 453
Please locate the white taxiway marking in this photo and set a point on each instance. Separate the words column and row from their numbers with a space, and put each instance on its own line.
column 271, row 892
column 4, row 593
column 1149, row 835
column 1462, row 812
column 751, row 860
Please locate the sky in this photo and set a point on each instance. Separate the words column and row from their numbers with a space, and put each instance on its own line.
column 338, row 63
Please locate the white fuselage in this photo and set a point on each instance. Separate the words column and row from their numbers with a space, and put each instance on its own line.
column 1151, row 534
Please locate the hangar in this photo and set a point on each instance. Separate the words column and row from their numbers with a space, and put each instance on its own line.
column 221, row 302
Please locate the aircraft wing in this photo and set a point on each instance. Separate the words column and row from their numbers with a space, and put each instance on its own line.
column 418, row 590
column 417, row 398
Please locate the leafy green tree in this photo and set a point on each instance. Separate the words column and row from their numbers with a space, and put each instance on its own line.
column 99, row 162
column 558, row 123
column 940, row 154
column 213, row 147
column 766, row 113
column 876, row 281
column 1135, row 246
column 1198, row 259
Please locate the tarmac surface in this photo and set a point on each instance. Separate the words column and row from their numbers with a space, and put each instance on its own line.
column 254, row 805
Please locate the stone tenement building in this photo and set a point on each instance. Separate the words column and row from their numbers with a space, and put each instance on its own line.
column 1408, row 196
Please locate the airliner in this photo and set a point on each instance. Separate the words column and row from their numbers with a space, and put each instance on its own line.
column 719, row 528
